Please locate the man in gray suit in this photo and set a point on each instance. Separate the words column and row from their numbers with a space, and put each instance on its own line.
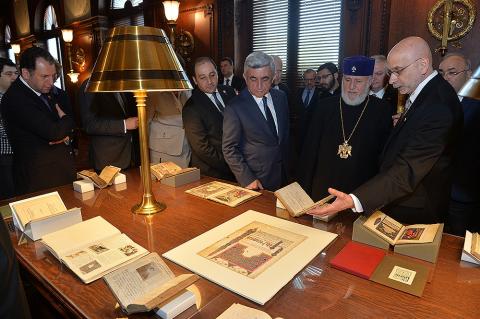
column 255, row 128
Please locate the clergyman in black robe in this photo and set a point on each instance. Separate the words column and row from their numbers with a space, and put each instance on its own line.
column 324, row 161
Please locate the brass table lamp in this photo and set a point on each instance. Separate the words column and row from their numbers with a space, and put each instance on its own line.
column 139, row 59
column 472, row 87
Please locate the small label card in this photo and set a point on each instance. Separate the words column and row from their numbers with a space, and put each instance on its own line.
column 403, row 275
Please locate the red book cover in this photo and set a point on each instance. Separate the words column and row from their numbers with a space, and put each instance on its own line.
column 358, row 259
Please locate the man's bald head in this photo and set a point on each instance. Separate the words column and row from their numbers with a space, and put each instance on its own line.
column 410, row 62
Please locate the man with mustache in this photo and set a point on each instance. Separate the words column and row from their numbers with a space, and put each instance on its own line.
column 346, row 134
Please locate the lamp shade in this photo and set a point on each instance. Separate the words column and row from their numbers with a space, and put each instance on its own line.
column 67, row 35
column 472, row 87
column 137, row 58
column 16, row 48
column 171, row 10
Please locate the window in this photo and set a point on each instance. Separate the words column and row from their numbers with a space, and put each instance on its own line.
column 270, row 28
column 317, row 38
column 53, row 44
column 8, row 39
column 127, row 12
column 120, row 4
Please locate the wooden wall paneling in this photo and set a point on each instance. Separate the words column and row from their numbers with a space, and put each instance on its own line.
column 379, row 12
column 243, row 24
column 354, row 31
column 225, row 15
column 197, row 17
column 409, row 18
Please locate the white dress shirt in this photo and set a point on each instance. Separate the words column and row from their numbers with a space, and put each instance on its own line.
column 259, row 101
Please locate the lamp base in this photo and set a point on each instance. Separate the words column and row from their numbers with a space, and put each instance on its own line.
column 148, row 206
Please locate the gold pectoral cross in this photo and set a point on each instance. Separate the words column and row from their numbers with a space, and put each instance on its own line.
column 344, row 150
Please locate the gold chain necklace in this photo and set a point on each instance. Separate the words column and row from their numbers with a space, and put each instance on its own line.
column 344, row 149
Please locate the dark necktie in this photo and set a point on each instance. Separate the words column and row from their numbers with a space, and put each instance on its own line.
column 217, row 101
column 46, row 100
column 270, row 120
column 307, row 98
column 227, row 82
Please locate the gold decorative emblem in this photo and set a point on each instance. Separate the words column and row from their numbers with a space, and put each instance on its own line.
column 344, row 150
column 450, row 20
column 184, row 44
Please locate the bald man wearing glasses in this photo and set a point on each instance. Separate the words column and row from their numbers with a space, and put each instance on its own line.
column 465, row 196
column 413, row 183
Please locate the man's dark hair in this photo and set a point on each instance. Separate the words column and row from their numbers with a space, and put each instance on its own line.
column 29, row 57
column 329, row 66
column 7, row 62
column 227, row 59
column 204, row 59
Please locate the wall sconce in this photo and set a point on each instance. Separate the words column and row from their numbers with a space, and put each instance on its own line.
column 67, row 35
column 16, row 50
column 171, row 9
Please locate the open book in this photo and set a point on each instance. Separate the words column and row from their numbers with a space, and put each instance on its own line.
column 146, row 283
column 471, row 247
column 92, row 248
column 395, row 233
column 35, row 208
column 297, row 201
column 106, row 177
column 239, row 311
column 167, row 169
column 223, row 193
column 43, row 214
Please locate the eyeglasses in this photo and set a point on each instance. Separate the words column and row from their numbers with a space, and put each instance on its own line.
column 450, row 74
column 400, row 70
column 324, row 77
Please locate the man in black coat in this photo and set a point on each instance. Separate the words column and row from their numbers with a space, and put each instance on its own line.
column 413, row 184
column 38, row 126
column 227, row 76
column 380, row 87
column 203, row 120
column 13, row 303
column 110, row 119
column 465, row 197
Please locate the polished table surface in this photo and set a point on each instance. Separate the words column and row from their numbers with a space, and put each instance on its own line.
column 318, row 291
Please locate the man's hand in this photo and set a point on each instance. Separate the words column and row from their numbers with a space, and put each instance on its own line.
column 395, row 118
column 131, row 123
column 254, row 185
column 60, row 112
column 342, row 202
column 65, row 140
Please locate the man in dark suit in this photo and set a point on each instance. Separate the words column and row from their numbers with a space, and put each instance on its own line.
column 380, row 87
column 227, row 77
column 111, row 122
column 38, row 126
column 203, row 120
column 306, row 99
column 255, row 128
column 327, row 80
column 465, row 197
column 13, row 303
column 413, row 183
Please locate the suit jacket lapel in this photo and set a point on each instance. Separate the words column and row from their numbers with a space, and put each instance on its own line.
column 260, row 118
column 279, row 114
column 204, row 100
column 413, row 108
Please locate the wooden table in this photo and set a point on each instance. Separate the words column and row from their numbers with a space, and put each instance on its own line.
column 318, row 291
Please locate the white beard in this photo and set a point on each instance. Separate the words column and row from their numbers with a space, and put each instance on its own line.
column 358, row 100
